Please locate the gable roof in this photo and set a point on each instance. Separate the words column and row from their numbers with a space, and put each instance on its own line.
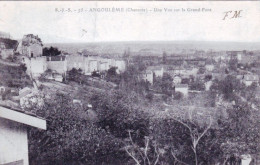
column 23, row 117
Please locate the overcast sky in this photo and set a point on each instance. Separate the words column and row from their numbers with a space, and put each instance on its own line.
column 40, row 18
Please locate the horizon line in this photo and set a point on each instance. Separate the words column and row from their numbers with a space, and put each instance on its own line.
column 79, row 42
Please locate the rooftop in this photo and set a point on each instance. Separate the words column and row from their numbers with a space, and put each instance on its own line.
column 23, row 117
column 56, row 58
column 154, row 67
column 147, row 72
column 181, row 86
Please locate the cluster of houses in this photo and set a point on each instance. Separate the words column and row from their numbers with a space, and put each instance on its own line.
column 213, row 65
column 31, row 53
column 14, row 122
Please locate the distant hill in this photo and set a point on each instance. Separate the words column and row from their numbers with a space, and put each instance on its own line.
column 153, row 47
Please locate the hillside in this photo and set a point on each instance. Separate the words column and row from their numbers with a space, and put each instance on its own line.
column 9, row 43
column 13, row 75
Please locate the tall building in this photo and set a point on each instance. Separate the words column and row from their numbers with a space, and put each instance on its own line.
column 32, row 46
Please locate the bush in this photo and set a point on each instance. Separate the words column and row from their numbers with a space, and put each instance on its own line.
column 70, row 138
column 177, row 95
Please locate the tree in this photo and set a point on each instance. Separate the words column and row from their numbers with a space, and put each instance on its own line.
column 177, row 95
column 130, row 81
column 118, row 112
column 70, row 138
column 201, row 70
column 149, row 154
column 164, row 57
column 113, row 76
column 195, row 133
column 229, row 87
column 208, row 77
column 197, row 85
column 95, row 74
column 111, row 71
column 233, row 64
column 240, row 132
column 167, row 84
column 186, row 135
column 52, row 51
column 76, row 75
column 164, row 84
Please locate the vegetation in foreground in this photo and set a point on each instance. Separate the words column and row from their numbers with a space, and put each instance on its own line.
column 125, row 127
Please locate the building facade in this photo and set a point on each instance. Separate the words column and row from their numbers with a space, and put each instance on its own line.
column 13, row 135
column 57, row 63
column 147, row 76
column 32, row 46
column 182, row 88
column 35, row 66
column 89, row 64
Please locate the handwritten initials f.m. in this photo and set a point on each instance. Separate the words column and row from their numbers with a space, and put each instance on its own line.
column 235, row 15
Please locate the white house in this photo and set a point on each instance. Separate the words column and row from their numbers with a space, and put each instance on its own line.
column 147, row 76
column 176, row 79
column 249, row 79
column 157, row 70
column 57, row 63
column 13, row 135
column 179, row 71
column 2, row 89
column 209, row 67
column 53, row 75
column 88, row 64
column 31, row 46
column 35, row 66
column 208, row 84
column 183, row 88
column 191, row 71
column 103, row 66
column 93, row 66
column 121, row 66
column 75, row 61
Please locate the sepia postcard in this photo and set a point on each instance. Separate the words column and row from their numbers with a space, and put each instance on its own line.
column 130, row 83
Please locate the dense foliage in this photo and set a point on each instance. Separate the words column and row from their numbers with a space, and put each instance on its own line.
column 51, row 51
column 190, row 131
column 14, row 76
